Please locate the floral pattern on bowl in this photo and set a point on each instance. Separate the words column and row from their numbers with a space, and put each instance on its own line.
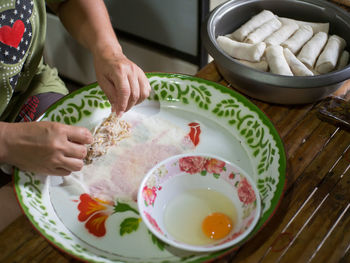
column 243, row 194
column 228, row 112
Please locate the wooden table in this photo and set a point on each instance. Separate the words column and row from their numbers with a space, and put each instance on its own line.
column 312, row 223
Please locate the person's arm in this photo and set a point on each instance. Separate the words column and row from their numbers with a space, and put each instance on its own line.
column 44, row 147
column 124, row 83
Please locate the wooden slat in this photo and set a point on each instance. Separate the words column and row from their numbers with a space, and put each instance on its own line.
column 313, row 220
column 343, row 91
column 326, row 208
column 329, row 250
column 48, row 254
column 346, row 257
column 19, row 242
column 54, row 256
column 301, row 133
column 276, row 113
column 275, row 237
column 308, row 148
column 292, row 119
column 209, row 72
column 14, row 237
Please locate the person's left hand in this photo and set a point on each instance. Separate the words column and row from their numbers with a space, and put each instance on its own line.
column 124, row 83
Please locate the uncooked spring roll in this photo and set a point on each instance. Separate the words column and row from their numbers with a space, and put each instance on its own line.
column 311, row 50
column 253, row 23
column 277, row 62
column 328, row 58
column 316, row 27
column 314, row 72
column 297, row 67
column 343, row 60
column 298, row 39
column 261, row 65
column 239, row 50
column 263, row 31
column 282, row 34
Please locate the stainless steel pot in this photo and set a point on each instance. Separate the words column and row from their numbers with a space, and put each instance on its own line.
column 267, row 86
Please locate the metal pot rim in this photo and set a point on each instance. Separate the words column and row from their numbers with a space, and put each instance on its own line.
column 267, row 78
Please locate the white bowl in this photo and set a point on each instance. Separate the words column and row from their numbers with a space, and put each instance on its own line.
column 179, row 192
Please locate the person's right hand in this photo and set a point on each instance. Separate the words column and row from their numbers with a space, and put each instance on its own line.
column 44, row 147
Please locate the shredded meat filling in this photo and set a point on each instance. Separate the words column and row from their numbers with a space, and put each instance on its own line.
column 109, row 133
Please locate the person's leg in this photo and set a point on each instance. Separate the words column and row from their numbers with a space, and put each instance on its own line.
column 36, row 105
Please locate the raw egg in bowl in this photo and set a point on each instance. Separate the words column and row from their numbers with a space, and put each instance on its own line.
column 199, row 202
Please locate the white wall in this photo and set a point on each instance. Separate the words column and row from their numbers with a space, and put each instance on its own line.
column 75, row 62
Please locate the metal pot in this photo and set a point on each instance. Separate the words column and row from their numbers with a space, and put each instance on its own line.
column 266, row 86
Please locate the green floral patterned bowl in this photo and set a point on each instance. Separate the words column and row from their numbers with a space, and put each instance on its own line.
column 217, row 120
column 199, row 202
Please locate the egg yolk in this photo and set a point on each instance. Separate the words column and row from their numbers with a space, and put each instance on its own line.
column 216, row 225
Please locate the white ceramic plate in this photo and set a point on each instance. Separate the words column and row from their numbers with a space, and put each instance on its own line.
column 92, row 230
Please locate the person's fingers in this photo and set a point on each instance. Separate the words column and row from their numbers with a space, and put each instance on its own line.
column 71, row 164
column 108, row 88
column 60, row 172
column 79, row 135
column 145, row 88
column 134, row 91
column 121, row 92
column 74, row 150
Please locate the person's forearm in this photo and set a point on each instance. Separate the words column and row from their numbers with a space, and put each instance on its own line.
column 3, row 126
column 89, row 23
column 124, row 83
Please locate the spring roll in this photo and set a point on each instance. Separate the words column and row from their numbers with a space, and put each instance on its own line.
column 315, row 72
column 316, row 27
column 256, row 21
column 297, row 67
column 343, row 60
column 261, row 65
column 263, row 31
column 298, row 39
column 277, row 62
column 311, row 50
column 282, row 34
column 239, row 50
column 328, row 58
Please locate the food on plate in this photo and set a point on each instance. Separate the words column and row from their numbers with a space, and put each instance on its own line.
column 316, row 27
column 217, row 225
column 111, row 131
column 282, row 34
column 261, row 65
column 297, row 67
column 253, row 23
column 343, row 60
column 298, row 39
column 277, row 62
column 312, row 49
column 309, row 51
column 117, row 174
column 328, row 58
column 200, row 216
column 263, row 31
column 240, row 50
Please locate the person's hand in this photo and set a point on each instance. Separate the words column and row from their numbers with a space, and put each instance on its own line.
column 44, row 147
column 124, row 83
